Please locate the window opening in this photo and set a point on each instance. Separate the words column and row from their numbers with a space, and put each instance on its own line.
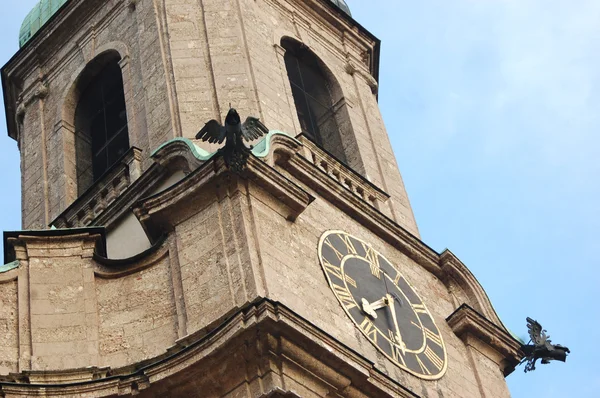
column 102, row 136
column 312, row 96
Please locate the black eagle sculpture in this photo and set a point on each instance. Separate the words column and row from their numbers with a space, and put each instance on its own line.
column 234, row 132
column 542, row 347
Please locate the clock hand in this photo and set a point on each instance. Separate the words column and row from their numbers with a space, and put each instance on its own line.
column 370, row 309
column 390, row 301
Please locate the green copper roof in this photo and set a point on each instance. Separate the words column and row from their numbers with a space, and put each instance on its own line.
column 37, row 17
column 341, row 4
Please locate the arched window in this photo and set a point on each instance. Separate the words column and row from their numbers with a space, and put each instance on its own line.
column 319, row 102
column 101, row 135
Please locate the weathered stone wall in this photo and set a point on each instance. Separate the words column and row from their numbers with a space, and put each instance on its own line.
column 219, row 265
column 56, row 304
column 136, row 315
column 205, row 268
column 485, row 361
column 9, row 323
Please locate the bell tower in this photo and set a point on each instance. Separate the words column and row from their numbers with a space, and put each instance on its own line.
column 147, row 267
column 171, row 66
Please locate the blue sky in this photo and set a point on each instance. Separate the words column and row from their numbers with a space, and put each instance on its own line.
column 492, row 108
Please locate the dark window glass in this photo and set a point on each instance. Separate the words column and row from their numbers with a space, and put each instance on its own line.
column 101, row 125
column 312, row 96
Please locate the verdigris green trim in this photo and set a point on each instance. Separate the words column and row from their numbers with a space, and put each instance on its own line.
column 37, row 18
column 9, row 267
column 198, row 152
column 260, row 150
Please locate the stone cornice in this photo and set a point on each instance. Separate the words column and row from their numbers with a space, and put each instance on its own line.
column 465, row 322
column 290, row 194
column 92, row 238
column 264, row 332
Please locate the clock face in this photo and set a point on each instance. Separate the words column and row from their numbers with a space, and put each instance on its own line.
column 383, row 304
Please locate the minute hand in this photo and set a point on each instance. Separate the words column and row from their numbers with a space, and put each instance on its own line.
column 390, row 301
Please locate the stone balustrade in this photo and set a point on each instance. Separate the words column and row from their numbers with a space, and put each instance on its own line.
column 103, row 193
column 344, row 175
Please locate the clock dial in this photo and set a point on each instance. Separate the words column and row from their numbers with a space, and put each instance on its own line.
column 383, row 304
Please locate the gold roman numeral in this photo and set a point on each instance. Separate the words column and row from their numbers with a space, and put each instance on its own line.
column 333, row 269
column 373, row 258
column 424, row 369
column 350, row 280
column 396, row 349
column 433, row 337
column 434, row 358
column 339, row 255
column 344, row 296
column 349, row 245
column 369, row 329
column 419, row 308
column 397, row 278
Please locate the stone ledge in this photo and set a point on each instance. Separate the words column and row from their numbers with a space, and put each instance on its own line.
column 150, row 210
column 466, row 323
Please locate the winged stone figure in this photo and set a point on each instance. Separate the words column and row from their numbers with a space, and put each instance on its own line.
column 234, row 133
column 542, row 347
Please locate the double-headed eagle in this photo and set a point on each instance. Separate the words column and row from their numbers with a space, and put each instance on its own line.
column 542, row 347
column 235, row 152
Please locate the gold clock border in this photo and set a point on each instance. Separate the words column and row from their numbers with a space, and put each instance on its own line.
column 437, row 376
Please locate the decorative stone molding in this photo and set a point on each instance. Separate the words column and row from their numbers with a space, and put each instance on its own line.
column 455, row 272
column 41, row 91
column 15, row 241
column 21, row 109
column 264, row 340
column 348, row 178
column 151, row 211
column 466, row 323
column 9, row 272
column 86, row 209
column 180, row 154
column 352, row 69
column 62, row 377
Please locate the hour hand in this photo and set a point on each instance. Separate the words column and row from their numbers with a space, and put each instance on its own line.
column 370, row 308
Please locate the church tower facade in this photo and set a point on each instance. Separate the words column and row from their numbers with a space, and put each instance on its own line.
column 147, row 267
